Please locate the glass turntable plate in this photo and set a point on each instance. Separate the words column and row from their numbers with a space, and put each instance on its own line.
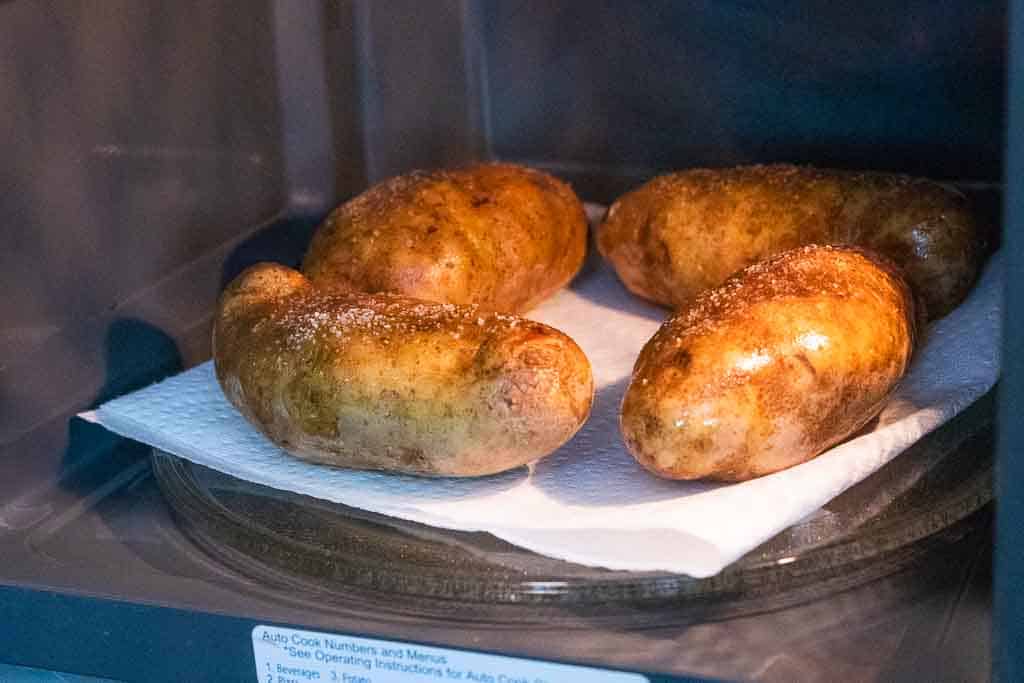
column 321, row 554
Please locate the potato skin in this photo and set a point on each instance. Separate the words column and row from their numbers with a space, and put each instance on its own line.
column 500, row 236
column 787, row 358
column 682, row 233
column 385, row 382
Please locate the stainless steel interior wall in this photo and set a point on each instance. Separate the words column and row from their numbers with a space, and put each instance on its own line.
column 139, row 138
column 422, row 89
column 624, row 86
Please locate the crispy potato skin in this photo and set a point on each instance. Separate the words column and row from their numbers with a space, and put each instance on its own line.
column 682, row 233
column 500, row 236
column 784, row 360
column 385, row 382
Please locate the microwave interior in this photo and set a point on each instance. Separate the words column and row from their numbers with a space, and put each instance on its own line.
column 153, row 151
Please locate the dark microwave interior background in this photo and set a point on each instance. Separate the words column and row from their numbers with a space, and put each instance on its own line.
column 151, row 150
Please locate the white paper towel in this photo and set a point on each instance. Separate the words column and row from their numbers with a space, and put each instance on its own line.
column 590, row 502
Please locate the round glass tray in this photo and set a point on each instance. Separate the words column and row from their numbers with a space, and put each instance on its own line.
column 323, row 554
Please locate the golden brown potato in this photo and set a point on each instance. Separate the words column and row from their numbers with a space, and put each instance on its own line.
column 500, row 236
column 391, row 383
column 682, row 233
column 784, row 360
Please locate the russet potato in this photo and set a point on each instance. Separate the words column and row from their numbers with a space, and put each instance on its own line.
column 385, row 382
column 685, row 232
column 779, row 363
column 500, row 236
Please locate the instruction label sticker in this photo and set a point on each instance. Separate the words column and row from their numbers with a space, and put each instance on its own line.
column 285, row 655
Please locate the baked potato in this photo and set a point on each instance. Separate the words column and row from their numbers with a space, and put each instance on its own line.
column 385, row 382
column 500, row 236
column 682, row 233
column 779, row 363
